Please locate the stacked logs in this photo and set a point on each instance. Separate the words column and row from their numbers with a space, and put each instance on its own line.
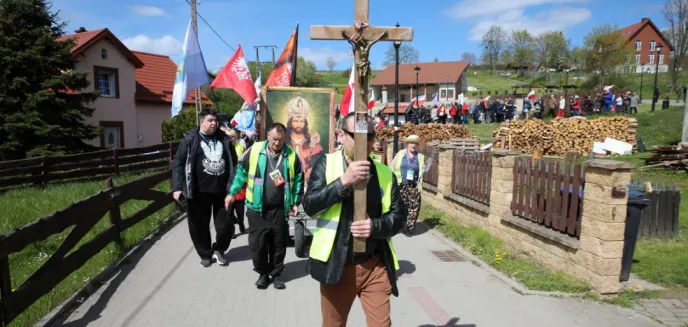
column 426, row 132
column 668, row 157
column 562, row 136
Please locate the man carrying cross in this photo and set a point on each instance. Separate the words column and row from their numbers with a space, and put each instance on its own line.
column 343, row 274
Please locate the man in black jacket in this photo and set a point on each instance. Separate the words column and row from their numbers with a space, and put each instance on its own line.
column 342, row 273
column 204, row 168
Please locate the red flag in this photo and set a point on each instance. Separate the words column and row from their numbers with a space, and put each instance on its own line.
column 346, row 100
column 235, row 75
column 371, row 102
column 284, row 72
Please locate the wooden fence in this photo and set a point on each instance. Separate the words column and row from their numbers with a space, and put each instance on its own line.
column 472, row 174
column 549, row 192
column 43, row 170
column 660, row 218
column 432, row 174
column 83, row 215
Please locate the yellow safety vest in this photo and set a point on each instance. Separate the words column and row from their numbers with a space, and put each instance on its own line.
column 239, row 149
column 397, row 167
column 256, row 149
column 328, row 220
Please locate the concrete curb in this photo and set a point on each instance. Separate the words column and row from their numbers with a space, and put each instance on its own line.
column 94, row 284
column 515, row 285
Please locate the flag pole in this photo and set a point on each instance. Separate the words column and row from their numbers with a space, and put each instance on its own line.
column 197, row 91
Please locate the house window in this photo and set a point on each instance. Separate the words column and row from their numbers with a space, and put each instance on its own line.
column 661, row 59
column 638, row 45
column 106, row 81
column 103, row 54
column 637, row 59
column 651, row 59
column 652, row 45
column 450, row 94
column 443, row 94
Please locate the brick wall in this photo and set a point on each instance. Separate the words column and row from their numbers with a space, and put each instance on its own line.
column 595, row 257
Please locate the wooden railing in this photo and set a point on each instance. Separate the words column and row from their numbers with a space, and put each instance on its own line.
column 472, row 174
column 83, row 215
column 549, row 192
column 660, row 219
column 43, row 170
column 432, row 174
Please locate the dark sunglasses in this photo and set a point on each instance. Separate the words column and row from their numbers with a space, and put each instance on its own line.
column 371, row 136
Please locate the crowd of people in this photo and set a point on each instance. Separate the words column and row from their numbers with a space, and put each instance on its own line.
column 222, row 174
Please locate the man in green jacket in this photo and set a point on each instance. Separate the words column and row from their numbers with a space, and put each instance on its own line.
column 274, row 178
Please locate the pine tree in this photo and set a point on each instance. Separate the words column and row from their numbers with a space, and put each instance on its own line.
column 42, row 108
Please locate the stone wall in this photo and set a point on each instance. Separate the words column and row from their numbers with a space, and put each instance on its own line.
column 595, row 257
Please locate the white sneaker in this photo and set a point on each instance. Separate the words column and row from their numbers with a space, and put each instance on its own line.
column 220, row 257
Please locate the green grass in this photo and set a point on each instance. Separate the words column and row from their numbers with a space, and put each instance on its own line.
column 492, row 250
column 23, row 206
column 483, row 80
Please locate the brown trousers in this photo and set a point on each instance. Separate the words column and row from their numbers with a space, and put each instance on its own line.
column 370, row 282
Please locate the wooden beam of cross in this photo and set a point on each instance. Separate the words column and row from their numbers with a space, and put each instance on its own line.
column 361, row 36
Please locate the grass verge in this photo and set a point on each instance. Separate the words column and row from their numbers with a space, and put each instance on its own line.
column 24, row 206
column 492, row 250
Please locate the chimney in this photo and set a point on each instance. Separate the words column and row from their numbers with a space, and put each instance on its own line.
column 644, row 19
column 80, row 30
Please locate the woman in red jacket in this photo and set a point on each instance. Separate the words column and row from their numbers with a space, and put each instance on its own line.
column 575, row 109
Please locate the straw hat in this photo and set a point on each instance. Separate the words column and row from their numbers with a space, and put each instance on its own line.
column 412, row 139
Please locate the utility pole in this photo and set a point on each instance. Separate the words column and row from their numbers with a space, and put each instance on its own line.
column 197, row 91
column 684, row 135
column 258, row 58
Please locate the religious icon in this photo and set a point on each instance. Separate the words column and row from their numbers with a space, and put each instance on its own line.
column 307, row 114
column 362, row 122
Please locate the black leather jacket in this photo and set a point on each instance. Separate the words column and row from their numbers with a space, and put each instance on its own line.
column 184, row 169
column 320, row 196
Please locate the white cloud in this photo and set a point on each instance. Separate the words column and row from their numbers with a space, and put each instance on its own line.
column 149, row 11
column 511, row 15
column 166, row 45
column 548, row 20
column 319, row 55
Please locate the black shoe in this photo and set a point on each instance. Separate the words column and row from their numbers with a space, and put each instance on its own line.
column 220, row 257
column 242, row 229
column 278, row 283
column 263, row 282
column 206, row 262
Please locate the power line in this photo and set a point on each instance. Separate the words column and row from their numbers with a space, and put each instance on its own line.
column 211, row 28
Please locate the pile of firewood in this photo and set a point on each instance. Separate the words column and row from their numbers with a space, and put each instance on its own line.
column 562, row 136
column 669, row 157
column 426, row 132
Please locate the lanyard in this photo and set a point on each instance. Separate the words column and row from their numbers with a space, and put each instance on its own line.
column 409, row 161
column 272, row 168
column 206, row 140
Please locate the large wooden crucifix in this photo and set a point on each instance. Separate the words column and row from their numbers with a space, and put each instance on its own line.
column 361, row 36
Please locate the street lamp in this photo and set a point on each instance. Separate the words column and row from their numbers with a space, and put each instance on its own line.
column 642, row 73
column 446, row 92
column 397, row 44
column 655, row 99
column 417, row 70
column 566, row 86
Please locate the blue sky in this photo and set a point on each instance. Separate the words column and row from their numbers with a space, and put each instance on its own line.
column 443, row 28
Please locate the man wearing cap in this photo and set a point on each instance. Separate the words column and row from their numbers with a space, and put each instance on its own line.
column 343, row 274
column 306, row 145
column 409, row 165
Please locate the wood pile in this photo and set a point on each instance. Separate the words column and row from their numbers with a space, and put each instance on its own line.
column 426, row 132
column 561, row 136
column 668, row 157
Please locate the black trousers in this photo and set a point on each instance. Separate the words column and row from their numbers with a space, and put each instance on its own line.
column 237, row 213
column 267, row 238
column 200, row 208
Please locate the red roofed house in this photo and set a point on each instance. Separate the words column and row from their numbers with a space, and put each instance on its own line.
column 136, row 89
column 448, row 79
column 643, row 38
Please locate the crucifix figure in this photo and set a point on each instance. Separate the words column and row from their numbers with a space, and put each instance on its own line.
column 361, row 36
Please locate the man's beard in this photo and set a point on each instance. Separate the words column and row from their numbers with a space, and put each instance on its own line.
column 298, row 130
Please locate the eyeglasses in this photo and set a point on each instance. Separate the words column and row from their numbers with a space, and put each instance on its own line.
column 371, row 136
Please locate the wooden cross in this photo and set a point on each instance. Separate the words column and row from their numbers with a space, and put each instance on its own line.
column 361, row 36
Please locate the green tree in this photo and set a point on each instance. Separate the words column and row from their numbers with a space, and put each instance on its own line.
column 494, row 42
column 606, row 48
column 305, row 73
column 42, row 102
column 551, row 50
column 522, row 46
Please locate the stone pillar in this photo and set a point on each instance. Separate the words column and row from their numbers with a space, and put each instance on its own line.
column 502, row 189
column 604, row 221
column 445, row 167
column 384, row 94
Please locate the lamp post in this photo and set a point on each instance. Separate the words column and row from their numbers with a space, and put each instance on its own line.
column 566, row 86
column 446, row 92
column 642, row 73
column 654, row 99
column 395, row 148
column 417, row 70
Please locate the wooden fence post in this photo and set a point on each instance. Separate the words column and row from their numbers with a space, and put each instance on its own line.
column 170, row 159
column 114, row 159
column 115, row 215
column 5, row 285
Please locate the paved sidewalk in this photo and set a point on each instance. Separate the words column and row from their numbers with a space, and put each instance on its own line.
column 164, row 285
